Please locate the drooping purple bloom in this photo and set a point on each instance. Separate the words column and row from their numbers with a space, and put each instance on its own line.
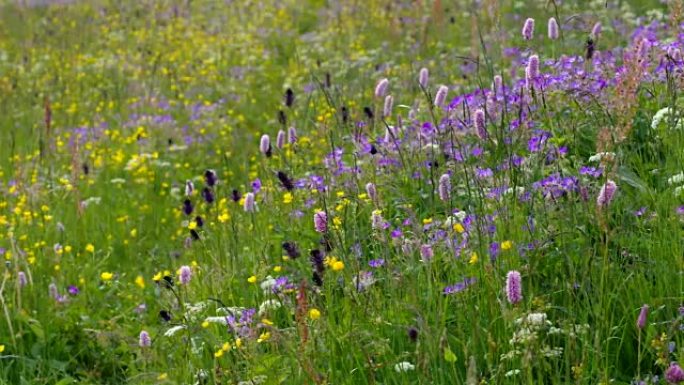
column 21, row 277
column 189, row 188
column 210, row 178
column 187, row 207
column 513, row 287
column 208, row 195
column 596, row 30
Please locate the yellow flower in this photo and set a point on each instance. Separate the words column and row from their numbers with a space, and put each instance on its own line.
column 287, row 197
column 90, row 248
column 2, row 348
column 106, row 276
column 225, row 347
column 162, row 377
column 252, row 279
column 314, row 314
column 338, row 265
column 266, row 321
column 218, row 353
column 506, row 245
column 277, row 269
column 192, row 225
column 459, row 228
column 265, row 336
column 238, row 342
column 157, row 277
column 224, row 217
column 205, row 324
column 473, row 258
column 427, row 221
column 140, row 281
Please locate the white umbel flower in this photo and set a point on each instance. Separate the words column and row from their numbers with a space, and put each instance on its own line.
column 404, row 366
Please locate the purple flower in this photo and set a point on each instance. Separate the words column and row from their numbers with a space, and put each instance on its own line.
column 596, row 30
column 22, row 279
column 674, row 374
column 375, row 263
column 280, row 139
column 248, row 204
column 291, row 135
column 185, row 274
column 256, row 185
column 441, row 95
column 381, row 87
column 606, row 194
column 189, row 188
column 265, row 145
column 426, row 252
column 371, row 191
column 513, row 287
column 553, row 29
column 210, row 178
column 480, row 124
column 528, row 29
column 423, row 77
column 321, row 222
column 643, row 315
column 387, row 109
column 459, row 287
column 144, row 340
column 444, row 187
column 73, row 290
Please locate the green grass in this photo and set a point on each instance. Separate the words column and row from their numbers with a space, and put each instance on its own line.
column 107, row 108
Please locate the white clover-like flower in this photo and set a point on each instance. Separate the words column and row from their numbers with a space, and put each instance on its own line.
column 676, row 179
column 269, row 304
column 664, row 113
column 171, row 332
column 404, row 366
column 599, row 157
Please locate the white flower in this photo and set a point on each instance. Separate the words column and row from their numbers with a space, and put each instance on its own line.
column 117, row 181
column 217, row 320
column 601, row 156
column 678, row 190
column 666, row 113
column 519, row 190
column 512, row 373
column 174, row 330
column 268, row 284
column 536, row 319
column 404, row 366
column 269, row 304
column 676, row 179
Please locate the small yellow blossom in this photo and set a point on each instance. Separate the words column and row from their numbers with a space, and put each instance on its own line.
column 218, row 353
column 427, row 221
column 140, row 281
column 205, row 324
column 2, row 348
column 338, row 265
column 225, row 347
column 90, row 248
column 252, row 279
column 459, row 228
column 265, row 336
column 277, row 269
column 287, row 198
column 266, row 321
column 314, row 314
column 473, row 258
column 106, row 276
column 506, row 245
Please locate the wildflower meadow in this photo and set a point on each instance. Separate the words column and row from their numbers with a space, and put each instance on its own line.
column 335, row 192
